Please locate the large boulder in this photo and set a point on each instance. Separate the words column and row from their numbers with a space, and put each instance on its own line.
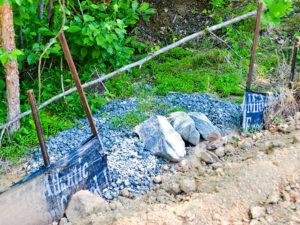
column 83, row 204
column 185, row 126
column 205, row 127
column 161, row 139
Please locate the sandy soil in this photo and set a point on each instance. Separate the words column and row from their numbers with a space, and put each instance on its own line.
column 245, row 181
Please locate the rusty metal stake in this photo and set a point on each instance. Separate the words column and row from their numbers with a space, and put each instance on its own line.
column 296, row 48
column 254, row 46
column 38, row 127
column 72, row 67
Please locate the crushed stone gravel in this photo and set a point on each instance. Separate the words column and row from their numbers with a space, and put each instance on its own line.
column 131, row 166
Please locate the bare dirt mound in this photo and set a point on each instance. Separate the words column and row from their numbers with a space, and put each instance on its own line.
column 173, row 19
column 258, row 182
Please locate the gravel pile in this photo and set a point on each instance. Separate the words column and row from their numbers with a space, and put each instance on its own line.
column 129, row 164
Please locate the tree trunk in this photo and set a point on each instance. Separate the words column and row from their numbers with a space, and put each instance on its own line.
column 40, row 13
column 11, row 68
column 50, row 14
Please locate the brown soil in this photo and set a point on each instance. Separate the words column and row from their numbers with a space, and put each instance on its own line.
column 11, row 174
column 245, row 178
column 176, row 18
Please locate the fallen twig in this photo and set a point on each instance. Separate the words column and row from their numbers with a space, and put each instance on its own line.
column 80, row 9
column 101, row 81
column 224, row 43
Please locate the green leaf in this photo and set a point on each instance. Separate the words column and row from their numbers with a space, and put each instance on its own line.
column 19, row 2
column 145, row 17
column 83, row 52
column 2, row 85
column 88, row 18
column 74, row 29
column 100, row 40
column 4, row 58
column 144, row 6
column 31, row 59
column 120, row 32
column 135, row 5
column 150, row 11
column 95, row 53
column 2, row 2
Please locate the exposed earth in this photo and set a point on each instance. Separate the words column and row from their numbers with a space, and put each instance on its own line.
column 256, row 182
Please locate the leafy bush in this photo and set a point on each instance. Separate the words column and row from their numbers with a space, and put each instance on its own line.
column 97, row 36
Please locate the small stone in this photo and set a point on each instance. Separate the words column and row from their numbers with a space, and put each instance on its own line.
column 296, row 139
column 174, row 188
column 188, row 185
column 83, row 204
column 209, row 157
column 247, row 145
column 63, row 221
column 283, row 128
column 220, row 151
column 255, row 222
column 157, row 179
column 257, row 211
column 183, row 163
column 285, row 196
column 297, row 117
column 165, row 167
column 125, row 193
column 216, row 165
column 273, row 198
column 229, row 150
column 115, row 205
column 213, row 145
column 220, row 172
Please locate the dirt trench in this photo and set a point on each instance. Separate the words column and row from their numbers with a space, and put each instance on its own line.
column 243, row 182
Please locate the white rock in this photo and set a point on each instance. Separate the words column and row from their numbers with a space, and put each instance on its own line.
column 82, row 204
column 161, row 139
column 63, row 221
column 157, row 179
column 273, row 198
column 205, row 127
column 247, row 145
column 188, row 185
column 257, row 211
column 209, row 157
column 174, row 188
column 220, row 151
column 213, row 145
column 125, row 193
column 229, row 150
column 185, row 126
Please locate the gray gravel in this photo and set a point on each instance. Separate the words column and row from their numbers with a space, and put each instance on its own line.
column 129, row 164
